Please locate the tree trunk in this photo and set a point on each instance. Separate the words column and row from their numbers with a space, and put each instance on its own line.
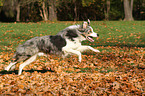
column 131, row 6
column 18, row 13
column 75, row 10
column 44, row 11
column 41, row 14
column 52, row 10
column 128, row 7
column 107, row 9
column 46, row 6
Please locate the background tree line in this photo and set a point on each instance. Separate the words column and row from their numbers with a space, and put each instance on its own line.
column 53, row 10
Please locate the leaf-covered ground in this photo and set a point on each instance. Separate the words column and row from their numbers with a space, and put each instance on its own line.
column 114, row 71
column 119, row 69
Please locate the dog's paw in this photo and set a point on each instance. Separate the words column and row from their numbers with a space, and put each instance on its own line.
column 6, row 68
column 80, row 59
column 97, row 51
column 13, row 67
column 41, row 54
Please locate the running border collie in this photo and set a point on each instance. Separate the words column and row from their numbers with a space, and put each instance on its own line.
column 66, row 42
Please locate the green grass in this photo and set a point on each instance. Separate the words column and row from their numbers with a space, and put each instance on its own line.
column 112, row 33
column 121, row 33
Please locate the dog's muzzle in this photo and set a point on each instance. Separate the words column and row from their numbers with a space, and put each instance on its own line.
column 90, row 38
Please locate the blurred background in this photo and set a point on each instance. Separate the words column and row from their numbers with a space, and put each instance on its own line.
column 71, row 10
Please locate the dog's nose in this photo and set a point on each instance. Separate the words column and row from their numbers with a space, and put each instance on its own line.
column 98, row 35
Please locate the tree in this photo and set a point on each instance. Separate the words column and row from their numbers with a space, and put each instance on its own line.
column 44, row 11
column 102, row 5
column 1, row 2
column 139, row 9
column 128, row 8
column 87, row 2
column 75, row 10
column 36, row 10
column 8, row 9
column 52, row 10
column 18, row 11
column 107, row 10
column 18, row 5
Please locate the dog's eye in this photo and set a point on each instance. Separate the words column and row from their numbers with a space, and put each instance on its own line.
column 90, row 31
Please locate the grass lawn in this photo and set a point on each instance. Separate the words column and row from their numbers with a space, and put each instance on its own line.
column 112, row 33
column 119, row 69
column 119, row 34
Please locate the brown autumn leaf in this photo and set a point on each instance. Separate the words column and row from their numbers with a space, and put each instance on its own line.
column 117, row 71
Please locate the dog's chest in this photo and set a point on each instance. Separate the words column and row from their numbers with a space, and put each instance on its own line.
column 73, row 44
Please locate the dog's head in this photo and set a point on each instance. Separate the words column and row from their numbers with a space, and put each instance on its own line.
column 87, row 31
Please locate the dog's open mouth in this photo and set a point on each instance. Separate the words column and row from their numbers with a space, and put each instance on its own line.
column 90, row 38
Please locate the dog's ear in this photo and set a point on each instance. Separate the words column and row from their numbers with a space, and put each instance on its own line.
column 88, row 21
column 85, row 24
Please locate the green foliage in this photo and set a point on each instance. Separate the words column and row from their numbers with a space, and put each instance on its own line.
column 70, row 10
column 1, row 2
column 86, row 3
column 116, row 10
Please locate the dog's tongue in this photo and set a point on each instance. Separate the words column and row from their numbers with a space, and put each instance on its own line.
column 90, row 39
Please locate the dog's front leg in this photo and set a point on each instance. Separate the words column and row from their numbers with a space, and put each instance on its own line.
column 85, row 48
column 71, row 51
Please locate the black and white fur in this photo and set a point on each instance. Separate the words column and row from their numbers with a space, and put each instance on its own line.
column 66, row 42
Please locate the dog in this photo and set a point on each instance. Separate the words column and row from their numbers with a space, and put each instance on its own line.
column 66, row 42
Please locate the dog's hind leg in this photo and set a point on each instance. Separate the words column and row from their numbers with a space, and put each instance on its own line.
column 11, row 66
column 30, row 60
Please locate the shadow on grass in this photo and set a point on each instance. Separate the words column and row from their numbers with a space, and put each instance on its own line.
column 3, row 72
